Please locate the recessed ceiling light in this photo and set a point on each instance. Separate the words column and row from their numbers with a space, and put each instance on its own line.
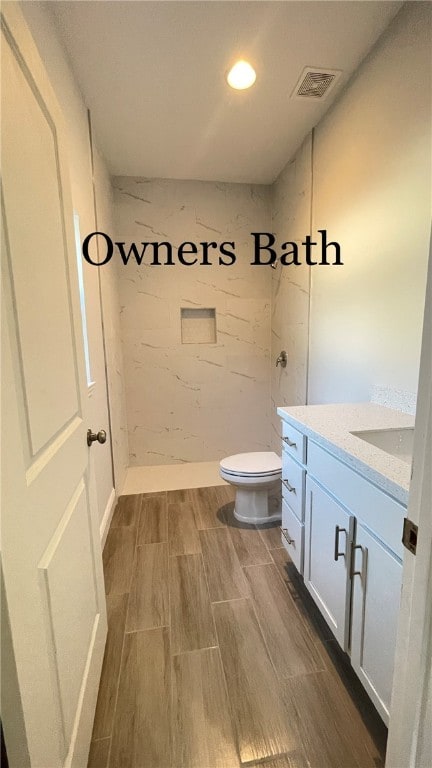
column 242, row 75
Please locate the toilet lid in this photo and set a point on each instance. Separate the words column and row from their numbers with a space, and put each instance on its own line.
column 257, row 463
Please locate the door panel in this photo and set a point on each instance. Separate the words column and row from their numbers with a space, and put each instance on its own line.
column 67, row 568
column 39, row 248
column 326, row 578
column 50, row 539
column 375, row 610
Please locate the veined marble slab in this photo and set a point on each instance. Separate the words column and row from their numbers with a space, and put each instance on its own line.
column 193, row 402
column 331, row 425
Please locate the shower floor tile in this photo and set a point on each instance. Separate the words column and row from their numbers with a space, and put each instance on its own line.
column 172, row 477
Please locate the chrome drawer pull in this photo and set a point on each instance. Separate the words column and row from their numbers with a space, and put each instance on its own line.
column 289, row 487
column 289, row 442
column 286, row 536
column 338, row 554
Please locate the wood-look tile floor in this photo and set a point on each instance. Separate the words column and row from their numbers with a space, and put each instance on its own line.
column 216, row 656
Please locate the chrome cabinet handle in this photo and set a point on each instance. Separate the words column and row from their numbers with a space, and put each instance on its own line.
column 338, row 554
column 364, row 560
column 92, row 437
column 289, row 487
column 289, row 442
column 286, row 536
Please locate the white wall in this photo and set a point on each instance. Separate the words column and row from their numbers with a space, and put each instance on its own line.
column 370, row 163
column 44, row 32
column 371, row 191
column 194, row 402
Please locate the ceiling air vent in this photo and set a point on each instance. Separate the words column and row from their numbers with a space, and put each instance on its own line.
column 315, row 83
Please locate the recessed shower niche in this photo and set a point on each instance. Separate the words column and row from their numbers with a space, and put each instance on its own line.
column 198, row 326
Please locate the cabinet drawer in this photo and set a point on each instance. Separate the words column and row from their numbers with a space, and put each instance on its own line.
column 372, row 506
column 293, row 484
column 294, row 442
column 292, row 536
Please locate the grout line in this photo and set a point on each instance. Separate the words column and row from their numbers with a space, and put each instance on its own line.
column 258, row 565
column 267, row 546
column 150, row 544
column 231, row 600
column 212, row 528
column 117, row 687
column 138, row 524
column 146, row 629
column 183, row 554
column 208, row 594
column 269, row 759
column 146, row 494
column 194, row 650
column 275, row 549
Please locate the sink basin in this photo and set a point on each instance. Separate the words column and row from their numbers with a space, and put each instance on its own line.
column 396, row 442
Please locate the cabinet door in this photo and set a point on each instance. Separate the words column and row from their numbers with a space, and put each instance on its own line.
column 376, row 599
column 328, row 537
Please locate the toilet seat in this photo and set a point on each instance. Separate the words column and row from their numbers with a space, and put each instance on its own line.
column 257, row 464
column 251, row 475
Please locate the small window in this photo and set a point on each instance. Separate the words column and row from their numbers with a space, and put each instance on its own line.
column 82, row 299
column 198, row 326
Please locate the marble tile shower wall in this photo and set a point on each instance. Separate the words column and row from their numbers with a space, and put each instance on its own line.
column 291, row 220
column 194, row 402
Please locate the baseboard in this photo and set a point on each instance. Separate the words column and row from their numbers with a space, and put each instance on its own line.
column 107, row 517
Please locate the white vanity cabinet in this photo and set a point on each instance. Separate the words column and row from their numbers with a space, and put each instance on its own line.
column 343, row 534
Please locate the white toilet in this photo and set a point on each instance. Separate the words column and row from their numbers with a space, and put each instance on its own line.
column 257, row 479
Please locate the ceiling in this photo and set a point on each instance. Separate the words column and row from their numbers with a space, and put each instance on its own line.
column 153, row 75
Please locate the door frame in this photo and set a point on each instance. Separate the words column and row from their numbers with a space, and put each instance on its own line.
column 409, row 743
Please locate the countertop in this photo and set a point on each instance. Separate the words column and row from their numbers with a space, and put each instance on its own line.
column 330, row 426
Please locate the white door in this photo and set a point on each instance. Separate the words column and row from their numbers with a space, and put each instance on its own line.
column 328, row 536
column 410, row 732
column 375, row 608
column 50, row 539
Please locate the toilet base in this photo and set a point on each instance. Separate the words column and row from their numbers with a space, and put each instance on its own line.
column 258, row 507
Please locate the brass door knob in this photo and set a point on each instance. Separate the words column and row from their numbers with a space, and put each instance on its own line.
column 92, row 437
